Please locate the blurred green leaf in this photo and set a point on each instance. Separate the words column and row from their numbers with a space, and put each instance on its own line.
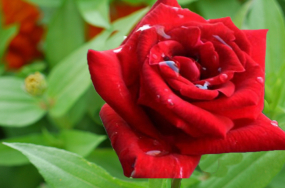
column 241, row 15
column 108, row 159
column 6, row 34
column 279, row 180
column 17, row 107
column 218, row 164
column 95, row 104
column 267, row 14
column 25, row 176
column 74, row 115
column 79, row 142
column 159, row 183
column 70, row 79
column 184, row 2
column 37, row 66
column 255, row 171
column 46, row 3
column 219, row 8
column 64, row 169
column 65, row 32
column 95, row 12
column 2, row 68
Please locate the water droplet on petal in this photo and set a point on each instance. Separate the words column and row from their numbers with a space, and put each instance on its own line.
column 161, row 32
column 184, row 27
column 204, row 68
column 153, row 152
column 170, row 64
column 274, row 123
column 133, row 173
column 158, row 98
column 170, row 102
column 180, row 16
column 223, row 77
column 117, row 50
column 166, row 90
column 154, row 56
column 220, row 69
column 222, row 41
column 260, row 80
column 205, row 86
column 162, row 55
column 144, row 27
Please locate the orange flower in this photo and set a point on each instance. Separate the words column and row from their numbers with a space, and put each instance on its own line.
column 118, row 9
column 23, row 48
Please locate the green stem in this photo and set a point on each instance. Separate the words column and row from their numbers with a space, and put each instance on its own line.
column 176, row 183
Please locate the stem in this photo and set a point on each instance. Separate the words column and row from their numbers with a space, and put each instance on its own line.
column 175, row 183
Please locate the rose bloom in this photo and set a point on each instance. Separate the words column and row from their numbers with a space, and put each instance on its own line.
column 23, row 48
column 180, row 87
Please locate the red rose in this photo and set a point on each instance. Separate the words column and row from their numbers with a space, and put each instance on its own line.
column 181, row 86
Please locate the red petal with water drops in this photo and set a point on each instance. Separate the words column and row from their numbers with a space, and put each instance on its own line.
column 259, row 135
column 108, row 82
column 142, row 157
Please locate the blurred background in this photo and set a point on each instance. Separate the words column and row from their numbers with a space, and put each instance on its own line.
column 46, row 95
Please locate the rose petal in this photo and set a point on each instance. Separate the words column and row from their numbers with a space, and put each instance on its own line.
column 257, row 39
column 108, row 82
column 241, row 39
column 208, row 123
column 144, row 161
column 260, row 135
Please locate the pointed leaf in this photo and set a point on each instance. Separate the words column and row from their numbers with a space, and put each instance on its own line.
column 65, row 33
column 64, row 169
column 95, row 12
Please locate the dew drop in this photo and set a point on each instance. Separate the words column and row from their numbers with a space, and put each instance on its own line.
column 117, row 50
column 180, row 16
column 153, row 152
column 133, row 173
column 170, row 64
column 223, row 77
column 144, row 27
column 221, row 40
column 161, row 32
column 274, row 123
column 204, row 68
column 162, row 55
column 205, row 86
column 184, row 27
column 260, row 80
column 220, row 69
column 170, row 102
column 158, row 98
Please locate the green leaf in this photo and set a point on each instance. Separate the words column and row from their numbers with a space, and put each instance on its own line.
column 11, row 157
column 184, row 2
column 241, row 15
column 255, row 171
column 65, row 33
column 108, row 159
column 279, row 180
column 159, row 183
column 268, row 15
column 74, row 115
column 37, row 66
column 46, row 3
column 25, row 176
column 6, row 34
column 217, row 9
column 79, row 142
column 18, row 108
column 218, row 164
column 95, row 12
column 2, row 69
column 64, row 169
column 70, row 79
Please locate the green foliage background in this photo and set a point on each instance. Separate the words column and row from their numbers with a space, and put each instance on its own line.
column 57, row 140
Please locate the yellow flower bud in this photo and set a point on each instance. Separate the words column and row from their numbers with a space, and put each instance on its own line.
column 35, row 84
